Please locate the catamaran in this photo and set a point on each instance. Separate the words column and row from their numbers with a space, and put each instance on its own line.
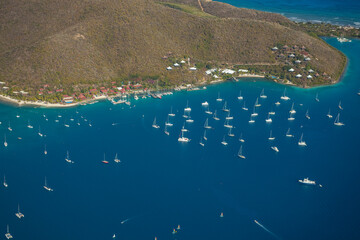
column 307, row 114
column 268, row 120
column 257, row 104
column 19, row 214
column 262, row 95
column 230, row 134
column 275, row 148
column 329, row 115
column 337, row 121
column 46, row 186
column 171, row 114
column 240, row 97
column 219, row 99
column 182, row 138
column 215, row 117
column 291, row 117
column 67, row 159
column 116, row 159
column 301, row 141
column 154, row 125
column 271, row 136
column 8, row 234
column 5, row 142
column 9, row 128
column 307, row 181
column 225, row 109
column 205, row 138
column 317, row 97
column 223, row 142
column 206, row 124
column 284, row 97
column 288, row 133
column 187, row 109
column 240, row 154
column 292, row 111
column 340, row 107
column 5, row 183
column 228, row 117
column 244, row 107
column 105, row 161
column 241, row 139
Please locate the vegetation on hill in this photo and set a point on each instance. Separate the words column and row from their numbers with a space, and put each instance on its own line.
column 78, row 45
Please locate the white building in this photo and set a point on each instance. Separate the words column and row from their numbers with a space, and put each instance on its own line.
column 291, row 70
column 298, row 76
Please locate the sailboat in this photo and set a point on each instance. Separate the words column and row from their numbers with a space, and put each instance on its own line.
column 215, row 117
column 230, row 134
column 219, row 99
column 154, row 125
column 223, row 142
column 205, row 138
column 275, row 148
column 8, row 234
column 201, row 142
column 45, row 151
column 29, row 125
column 227, row 124
column 340, row 107
column 68, row 158
column 291, row 117
column 317, row 97
column 262, row 95
column 206, row 124
column 288, row 133
column 168, row 123
column 189, row 119
column 67, row 125
column 183, row 129
column 268, row 120
column 337, row 121
column 225, row 109
column 182, row 138
column 301, row 141
column 307, row 114
column 257, row 104
column 5, row 142
column 254, row 114
column 272, row 112
column 240, row 97
column 329, row 115
column 171, row 114
column 244, row 107
column 104, row 161
column 39, row 133
column 251, row 119
column 277, row 103
column 165, row 130
column 228, row 117
column 187, row 109
column 116, row 158
column 292, row 111
column 19, row 214
column 17, row 115
column 205, row 104
column 5, row 183
column 185, row 115
column 240, row 154
column 9, row 128
column 271, row 138
column 284, row 97
column 208, row 111
column 241, row 139
column 46, row 186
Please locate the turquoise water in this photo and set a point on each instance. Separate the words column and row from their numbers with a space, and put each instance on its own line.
column 346, row 12
column 161, row 183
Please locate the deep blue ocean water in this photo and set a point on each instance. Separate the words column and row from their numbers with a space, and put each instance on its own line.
column 161, row 183
column 346, row 12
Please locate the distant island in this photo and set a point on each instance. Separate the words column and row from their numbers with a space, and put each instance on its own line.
column 61, row 53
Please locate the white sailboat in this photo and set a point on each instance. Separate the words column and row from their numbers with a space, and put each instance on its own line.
column 284, row 97
column 8, row 234
column 329, row 114
column 275, row 148
column 254, row 114
column 215, row 117
column 277, row 103
column 292, row 110
column 183, row 129
column 223, row 142
column 241, row 139
column 240, row 97
column 228, row 117
column 240, row 153
column 205, row 138
column 340, row 107
column 67, row 158
column 225, row 109
column 271, row 138
column 257, row 104
column 230, row 134
column 182, row 138
column 46, row 186
column 187, row 109
column 244, row 107
column 206, row 124
column 39, row 133
column 219, row 99
column 171, row 114
column 307, row 114
column 29, row 125
column 168, row 123
column 201, row 142
column 317, row 97
column 5, row 183
column 154, row 125
column 5, row 142
column 165, row 130
column 45, row 151
column 205, row 104
column 189, row 119
column 227, row 124
column 9, row 128
column 291, row 117
column 301, row 141
column 251, row 120
column 288, row 134
column 337, row 121
column 116, row 159
column 262, row 95
column 19, row 214
column 268, row 120
column 207, row 111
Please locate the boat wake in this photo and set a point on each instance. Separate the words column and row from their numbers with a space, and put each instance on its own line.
column 267, row 230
